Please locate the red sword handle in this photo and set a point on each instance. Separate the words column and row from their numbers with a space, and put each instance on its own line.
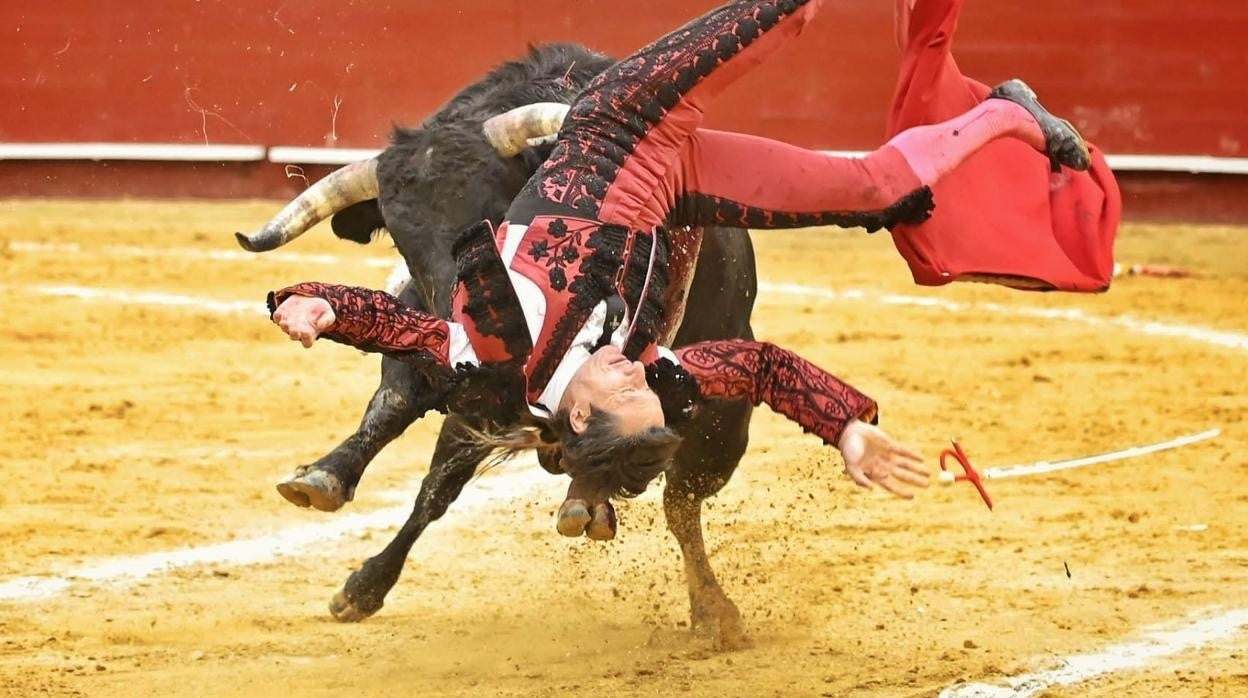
column 969, row 474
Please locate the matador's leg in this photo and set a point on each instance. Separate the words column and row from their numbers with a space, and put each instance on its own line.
column 630, row 124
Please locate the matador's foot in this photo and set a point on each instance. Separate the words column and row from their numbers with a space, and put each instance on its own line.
column 319, row 489
column 1062, row 143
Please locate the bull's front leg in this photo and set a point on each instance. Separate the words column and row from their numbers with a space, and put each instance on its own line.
column 403, row 396
column 327, row 484
column 713, row 445
column 453, row 466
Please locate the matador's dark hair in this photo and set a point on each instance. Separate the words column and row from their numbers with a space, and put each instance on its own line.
column 608, row 462
column 611, row 463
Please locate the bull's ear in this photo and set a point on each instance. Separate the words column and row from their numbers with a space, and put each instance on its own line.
column 359, row 222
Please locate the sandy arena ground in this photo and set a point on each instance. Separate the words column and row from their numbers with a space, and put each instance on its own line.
column 136, row 426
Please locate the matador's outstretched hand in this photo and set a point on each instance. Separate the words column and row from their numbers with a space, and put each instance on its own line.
column 873, row 458
column 304, row 318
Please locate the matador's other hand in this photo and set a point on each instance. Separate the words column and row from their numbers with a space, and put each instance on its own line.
column 304, row 318
column 873, row 458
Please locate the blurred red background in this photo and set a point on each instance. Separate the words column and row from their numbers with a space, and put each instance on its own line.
column 1141, row 77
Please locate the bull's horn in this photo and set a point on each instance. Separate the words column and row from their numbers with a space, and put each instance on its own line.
column 339, row 189
column 510, row 132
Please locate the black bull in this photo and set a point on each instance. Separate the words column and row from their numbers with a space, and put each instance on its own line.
column 433, row 182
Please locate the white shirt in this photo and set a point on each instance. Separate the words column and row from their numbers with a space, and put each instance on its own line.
column 533, row 305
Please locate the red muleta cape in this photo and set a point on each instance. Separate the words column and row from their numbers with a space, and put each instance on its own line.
column 1002, row 213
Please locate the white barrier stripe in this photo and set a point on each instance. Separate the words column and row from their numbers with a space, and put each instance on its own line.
column 1133, row 452
column 1189, row 164
column 292, row 155
column 280, row 154
column 1186, row 164
column 1135, row 655
column 1200, row 334
column 522, row 479
column 160, row 152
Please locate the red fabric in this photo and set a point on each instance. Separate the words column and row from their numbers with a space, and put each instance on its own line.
column 483, row 293
column 631, row 199
column 1002, row 212
column 818, row 401
column 780, row 179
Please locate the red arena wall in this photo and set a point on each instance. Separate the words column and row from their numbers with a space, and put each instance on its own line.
column 1148, row 77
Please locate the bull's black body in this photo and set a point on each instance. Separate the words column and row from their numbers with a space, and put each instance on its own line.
column 435, row 181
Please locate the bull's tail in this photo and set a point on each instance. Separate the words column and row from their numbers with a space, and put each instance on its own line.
column 341, row 188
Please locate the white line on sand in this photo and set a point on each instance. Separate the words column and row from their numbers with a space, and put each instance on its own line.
column 87, row 293
column 1200, row 334
column 516, row 480
column 1156, row 644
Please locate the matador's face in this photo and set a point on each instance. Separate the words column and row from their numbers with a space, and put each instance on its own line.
column 609, row 381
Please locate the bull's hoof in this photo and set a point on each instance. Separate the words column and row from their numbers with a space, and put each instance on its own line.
column 603, row 526
column 1062, row 142
column 319, row 489
column 573, row 518
column 725, row 634
column 344, row 611
column 715, row 639
column 730, row 637
column 720, row 622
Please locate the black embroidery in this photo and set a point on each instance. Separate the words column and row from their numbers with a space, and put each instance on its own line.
column 703, row 209
column 592, row 283
column 491, row 392
column 558, row 280
column 558, row 255
column 490, row 301
column 732, row 369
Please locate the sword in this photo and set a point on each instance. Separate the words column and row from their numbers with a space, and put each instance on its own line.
column 976, row 478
